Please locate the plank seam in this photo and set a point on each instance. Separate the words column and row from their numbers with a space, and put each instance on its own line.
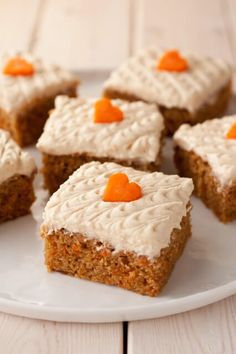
column 125, row 337
column 131, row 18
column 225, row 8
column 135, row 25
column 37, row 24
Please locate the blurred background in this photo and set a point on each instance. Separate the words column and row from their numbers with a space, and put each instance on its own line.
column 89, row 35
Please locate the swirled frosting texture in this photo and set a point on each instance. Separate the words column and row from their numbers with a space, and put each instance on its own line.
column 70, row 129
column 143, row 226
column 190, row 89
column 208, row 140
column 12, row 159
column 17, row 91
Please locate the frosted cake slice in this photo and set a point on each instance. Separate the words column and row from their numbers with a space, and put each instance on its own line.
column 28, row 88
column 17, row 169
column 186, row 88
column 83, row 130
column 207, row 154
column 118, row 226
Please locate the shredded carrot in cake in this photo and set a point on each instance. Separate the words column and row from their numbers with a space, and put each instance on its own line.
column 172, row 61
column 232, row 132
column 18, row 67
column 105, row 112
column 119, row 189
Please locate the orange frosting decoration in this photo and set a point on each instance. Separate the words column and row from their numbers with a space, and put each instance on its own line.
column 105, row 112
column 172, row 61
column 119, row 189
column 18, row 67
column 232, row 132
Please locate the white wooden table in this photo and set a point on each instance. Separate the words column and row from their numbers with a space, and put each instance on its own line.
column 98, row 34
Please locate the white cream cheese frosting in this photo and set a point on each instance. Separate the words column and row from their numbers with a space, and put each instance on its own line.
column 208, row 140
column 16, row 91
column 13, row 160
column 188, row 90
column 143, row 226
column 70, row 129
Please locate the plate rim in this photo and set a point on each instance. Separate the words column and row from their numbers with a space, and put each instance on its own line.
column 142, row 312
column 108, row 315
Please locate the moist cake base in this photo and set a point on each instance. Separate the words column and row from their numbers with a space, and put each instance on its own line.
column 76, row 255
column 175, row 117
column 57, row 168
column 27, row 125
column 221, row 200
column 16, row 197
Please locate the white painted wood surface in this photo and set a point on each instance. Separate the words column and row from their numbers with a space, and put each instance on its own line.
column 20, row 335
column 85, row 35
column 229, row 15
column 196, row 26
column 17, row 23
column 209, row 330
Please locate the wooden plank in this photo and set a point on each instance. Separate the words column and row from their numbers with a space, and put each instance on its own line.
column 228, row 8
column 22, row 335
column 208, row 330
column 229, row 15
column 17, row 21
column 84, row 35
column 196, row 26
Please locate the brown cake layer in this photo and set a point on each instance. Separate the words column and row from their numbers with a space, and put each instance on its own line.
column 27, row 125
column 57, row 169
column 76, row 255
column 174, row 117
column 206, row 186
column 16, row 197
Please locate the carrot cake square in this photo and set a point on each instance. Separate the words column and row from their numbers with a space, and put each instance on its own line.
column 83, row 130
column 28, row 88
column 118, row 226
column 187, row 88
column 17, row 169
column 207, row 154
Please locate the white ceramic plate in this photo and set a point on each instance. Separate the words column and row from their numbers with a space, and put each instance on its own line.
column 205, row 273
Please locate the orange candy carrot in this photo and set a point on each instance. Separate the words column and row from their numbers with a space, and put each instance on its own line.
column 18, row 67
column 232, row 132
column 105, row 112
column 172, row 61
column 119, row 189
